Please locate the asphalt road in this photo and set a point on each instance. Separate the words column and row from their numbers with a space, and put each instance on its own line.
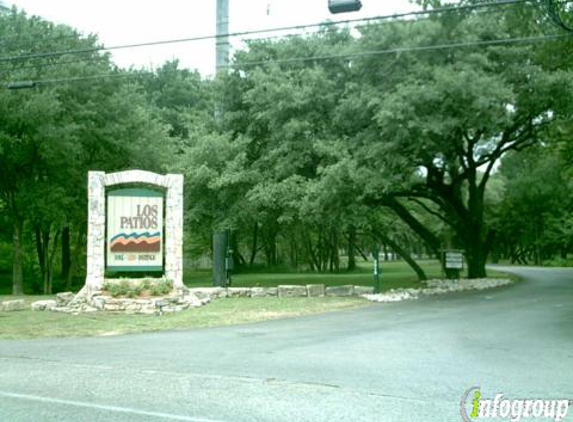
column 409, row 361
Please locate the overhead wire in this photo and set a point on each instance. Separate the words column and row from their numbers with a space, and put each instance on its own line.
column 346, row 56
column 38, row 66
column 266, row 30
column 484, row 43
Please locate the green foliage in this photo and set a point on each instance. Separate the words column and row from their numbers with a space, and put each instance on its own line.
column 304, row 161
column 535, row 218
column 123, row 288
column 52, row 135
column 133, row 288
column 161, row 287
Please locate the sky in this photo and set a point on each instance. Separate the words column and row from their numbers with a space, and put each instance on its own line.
column 121, row 22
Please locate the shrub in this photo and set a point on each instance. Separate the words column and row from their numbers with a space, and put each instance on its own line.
column 161, row 287
column 125, row 288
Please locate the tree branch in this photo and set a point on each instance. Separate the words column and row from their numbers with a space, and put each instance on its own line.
column 429, row 210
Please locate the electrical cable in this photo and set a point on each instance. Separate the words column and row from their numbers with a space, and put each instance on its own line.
column 262, row 31
column 496, row 42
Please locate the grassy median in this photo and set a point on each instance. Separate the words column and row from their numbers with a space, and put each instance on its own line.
column 29, row 324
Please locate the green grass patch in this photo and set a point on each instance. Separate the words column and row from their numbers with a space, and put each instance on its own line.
column 394, row 275
column 30, row 325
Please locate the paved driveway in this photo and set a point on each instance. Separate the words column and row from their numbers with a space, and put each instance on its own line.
column 408, row 361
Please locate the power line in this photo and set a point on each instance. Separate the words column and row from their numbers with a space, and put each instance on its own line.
column 503, row 41
column 268, row 30
column 316, row 31
column 38, row 66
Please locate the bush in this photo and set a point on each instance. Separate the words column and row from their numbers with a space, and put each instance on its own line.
column 123, row 288
column 127, row 289
column 161, row 287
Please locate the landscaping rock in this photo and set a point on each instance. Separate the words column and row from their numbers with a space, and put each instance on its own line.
column 238, row 292
column 209, row 292
column 394, row 295
column 98, row 302
column 264, row 292
column 44, row 305
column 315, row 290
column 13, row 305
column 114, row 307
column 191, row 300
column 63, row 299
column 438, row 287
column 340, row 291
column 292, row 291
column 363, row 290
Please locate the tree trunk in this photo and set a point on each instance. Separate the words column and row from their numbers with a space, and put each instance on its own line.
column 17, row 267
column 403, row 253
column 238, row 259
column 476, row 260
column 426, row 235
column 42, row 244
column 270, row 233
column 476, row 252
column 51, row 260
column 66, row 252
column 334, row 256
column 74, row 259
column 351, row 248
column 312, row 259
column 255, row 245
column 293, row 250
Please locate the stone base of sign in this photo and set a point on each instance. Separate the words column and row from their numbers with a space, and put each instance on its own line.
column 184, row 298
column 44, row 305
column 178, row 300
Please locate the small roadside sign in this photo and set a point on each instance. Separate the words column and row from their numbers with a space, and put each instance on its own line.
column 454, row 260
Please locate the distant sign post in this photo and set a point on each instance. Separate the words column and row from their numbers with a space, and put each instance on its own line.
column 376, row 269
column 134, row 230
column 453, row 262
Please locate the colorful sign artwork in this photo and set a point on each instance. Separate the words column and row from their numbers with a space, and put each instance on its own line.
column 134, row 230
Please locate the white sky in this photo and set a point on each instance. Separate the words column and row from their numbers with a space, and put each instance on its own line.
column 120, row 22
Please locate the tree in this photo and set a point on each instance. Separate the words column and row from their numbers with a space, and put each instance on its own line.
column 50, row 136
column 444, row 120
column 534, row 216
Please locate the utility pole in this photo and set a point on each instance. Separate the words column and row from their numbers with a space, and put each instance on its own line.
column 220, row 239
column 222, row 41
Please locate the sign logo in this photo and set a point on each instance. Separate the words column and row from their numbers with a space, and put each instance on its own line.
column 134, row 230
column 474, row 408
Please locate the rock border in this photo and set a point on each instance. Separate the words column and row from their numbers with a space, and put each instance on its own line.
column 439, row 287
column 187, row 298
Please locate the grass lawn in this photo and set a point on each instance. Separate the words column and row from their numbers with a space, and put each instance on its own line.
column 394, row 275
column 29, row 324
